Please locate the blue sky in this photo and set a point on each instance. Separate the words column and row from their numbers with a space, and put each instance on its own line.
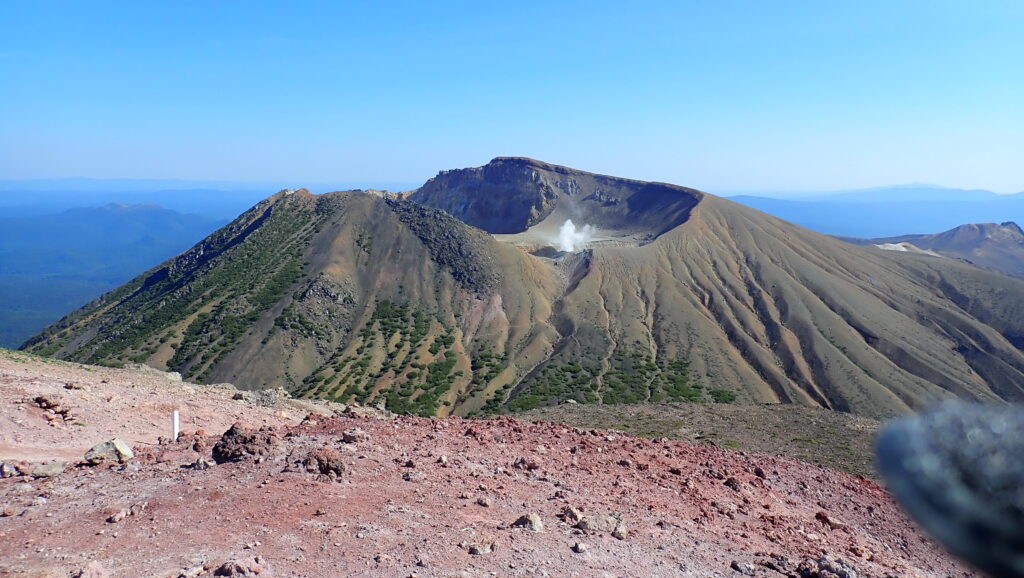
column 725, row 95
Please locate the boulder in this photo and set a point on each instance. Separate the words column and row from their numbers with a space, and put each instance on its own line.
column 115, row 450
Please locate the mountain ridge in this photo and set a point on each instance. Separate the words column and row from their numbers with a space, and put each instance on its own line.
column 679, row 296
column 997, row 246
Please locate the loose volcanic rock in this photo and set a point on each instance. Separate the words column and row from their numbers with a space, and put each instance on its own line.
column 115, row 450
column 92, row 570
column 324, row 461
column 354, row 435
column 531, row 522
column 239, row 568
column 48, row 470
column 7, row 470
column 239, row 444
column 478, row 548
column 825, row 567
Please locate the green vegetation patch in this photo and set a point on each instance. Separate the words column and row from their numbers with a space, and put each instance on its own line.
column 631, row 378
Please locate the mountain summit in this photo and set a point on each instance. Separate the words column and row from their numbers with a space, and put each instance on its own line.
column 521, row 283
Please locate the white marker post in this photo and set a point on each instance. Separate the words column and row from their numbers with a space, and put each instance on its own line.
column 176, row 428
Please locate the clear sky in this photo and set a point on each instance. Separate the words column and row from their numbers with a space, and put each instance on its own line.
column 724, row 95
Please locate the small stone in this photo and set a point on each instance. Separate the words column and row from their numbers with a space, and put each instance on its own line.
column 579, row 547
column 728, row 509
column 443, row 461
column 531, row 522
column 8, row 512
column 118, row 516
column 598, row 523
column 235, row 568
column 572, row 516
column 759, row 472
column 733, row 484
column 351, row 436
column 193, row 572
column 93, row 570
column 49, row 470
column 200, row 464
column 484, row 501
column 527, row 464
column 480, row 548
column 745, row 569
column 826, row 566
column 829, row 521
column 620, row 532
column 115, row 450
column 7, row 470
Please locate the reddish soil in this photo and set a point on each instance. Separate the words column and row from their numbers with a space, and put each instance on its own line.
column 415, row 496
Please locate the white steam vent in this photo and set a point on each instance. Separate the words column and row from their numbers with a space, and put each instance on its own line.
column 571, row 240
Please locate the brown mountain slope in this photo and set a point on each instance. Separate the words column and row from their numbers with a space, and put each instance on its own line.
column 992, row 245
column 678, row 296
column 746, row 298
column 344, row 296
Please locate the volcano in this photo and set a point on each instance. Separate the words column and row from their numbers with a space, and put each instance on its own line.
column 462, row 297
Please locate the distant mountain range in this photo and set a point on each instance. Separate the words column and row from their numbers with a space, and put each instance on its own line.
column 890, row 211
column 53, row 263
column 520, row 283
column 214, row 199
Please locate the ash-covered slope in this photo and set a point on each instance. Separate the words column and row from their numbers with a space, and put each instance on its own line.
column 998, row 246
column 673, row 295
column 794, row 316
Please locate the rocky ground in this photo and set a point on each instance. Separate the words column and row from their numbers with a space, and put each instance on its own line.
column 354, row 493
column 838, row 441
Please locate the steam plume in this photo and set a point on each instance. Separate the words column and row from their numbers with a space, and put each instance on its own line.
column 570, row 239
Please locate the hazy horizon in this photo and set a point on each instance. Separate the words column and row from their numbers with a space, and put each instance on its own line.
column 116, row 185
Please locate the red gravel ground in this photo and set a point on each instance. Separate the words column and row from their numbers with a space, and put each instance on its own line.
column 416, row 496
